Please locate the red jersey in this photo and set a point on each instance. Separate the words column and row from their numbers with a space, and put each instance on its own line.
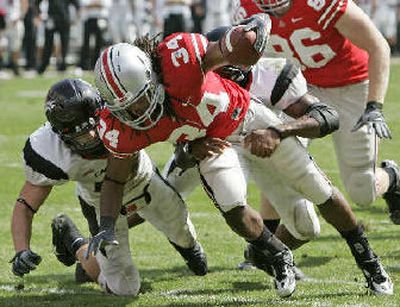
column 205, row 104
column 306, row 34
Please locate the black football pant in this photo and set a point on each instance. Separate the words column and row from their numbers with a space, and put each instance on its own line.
column 63, row 30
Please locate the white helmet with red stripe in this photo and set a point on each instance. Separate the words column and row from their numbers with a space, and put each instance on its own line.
column 123, row 74
column 271, row 6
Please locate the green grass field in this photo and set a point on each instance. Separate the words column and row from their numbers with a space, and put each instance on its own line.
column 334, row 279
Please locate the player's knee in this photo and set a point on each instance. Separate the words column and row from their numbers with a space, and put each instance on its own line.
column 307, row 232
column 306, row 223
column 124, row 284
column 361, row 188
column 118, row 273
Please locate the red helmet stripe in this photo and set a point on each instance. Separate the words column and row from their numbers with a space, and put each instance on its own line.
column 109, row 75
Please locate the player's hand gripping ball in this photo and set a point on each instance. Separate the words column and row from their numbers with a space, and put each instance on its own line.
column 237, row 46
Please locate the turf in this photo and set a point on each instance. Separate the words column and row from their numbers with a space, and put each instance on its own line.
column 333, row 279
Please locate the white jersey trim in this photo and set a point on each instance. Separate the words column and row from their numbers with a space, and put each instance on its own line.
column 329, row 15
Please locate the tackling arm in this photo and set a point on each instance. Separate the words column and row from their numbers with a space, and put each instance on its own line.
column 188, row 153
column 314, row 119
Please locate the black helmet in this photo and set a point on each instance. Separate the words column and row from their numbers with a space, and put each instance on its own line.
column 72, row 107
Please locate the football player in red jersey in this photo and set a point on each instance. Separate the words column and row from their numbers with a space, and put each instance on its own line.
column 169, row 91
column 349, row 70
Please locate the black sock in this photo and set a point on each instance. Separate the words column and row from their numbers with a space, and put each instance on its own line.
column 272, row 225
column 358, row 243
column 392, row 177
column 267, row 242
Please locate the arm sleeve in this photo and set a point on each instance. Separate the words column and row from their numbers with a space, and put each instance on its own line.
column 182, row 55
column 277, row 83
column 330, row 12
column 40, row 171
column 296, row 88
column 119, row 139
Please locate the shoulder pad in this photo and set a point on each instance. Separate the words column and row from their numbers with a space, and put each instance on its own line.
column 41, row 165
column 283, row 81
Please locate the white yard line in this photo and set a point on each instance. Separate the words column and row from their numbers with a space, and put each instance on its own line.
column 5, row 138
column 11, row 165
column 173, row 293
column 11, row 288
column 31, row 94
column 331, row 281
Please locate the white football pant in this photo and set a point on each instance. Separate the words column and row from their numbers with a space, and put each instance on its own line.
column 356, row 152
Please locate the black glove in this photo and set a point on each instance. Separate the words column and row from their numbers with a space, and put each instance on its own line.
column 105, row 237
column 183, row 157
column 261, row 24
column 24, row 261
column 233, row 73
column 373, row 116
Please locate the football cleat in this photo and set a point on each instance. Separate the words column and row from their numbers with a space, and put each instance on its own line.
column 282, row 270
column 257, row 258
column 195, row 258
column 279, row 266
column 392, row 196
column 378, row 281
column 66, row 239
column 247, row 264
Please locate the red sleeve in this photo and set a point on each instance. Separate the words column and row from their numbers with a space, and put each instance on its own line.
column 123, row 141
column 329, row 14
column 117, row 137
column 181, row 57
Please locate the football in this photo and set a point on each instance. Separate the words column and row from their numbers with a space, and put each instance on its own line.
column 237, row 45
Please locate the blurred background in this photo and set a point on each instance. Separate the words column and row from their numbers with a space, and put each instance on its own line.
column 38, row 36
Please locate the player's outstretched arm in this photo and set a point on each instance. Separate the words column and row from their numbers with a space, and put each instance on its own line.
column 117, row 174
column 369, row 38
column 28, row 202
column 314, row 119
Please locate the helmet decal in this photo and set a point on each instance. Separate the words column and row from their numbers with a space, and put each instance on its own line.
column 108, row 73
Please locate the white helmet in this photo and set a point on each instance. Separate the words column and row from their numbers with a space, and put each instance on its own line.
column 270, row 6
column 123, row 74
